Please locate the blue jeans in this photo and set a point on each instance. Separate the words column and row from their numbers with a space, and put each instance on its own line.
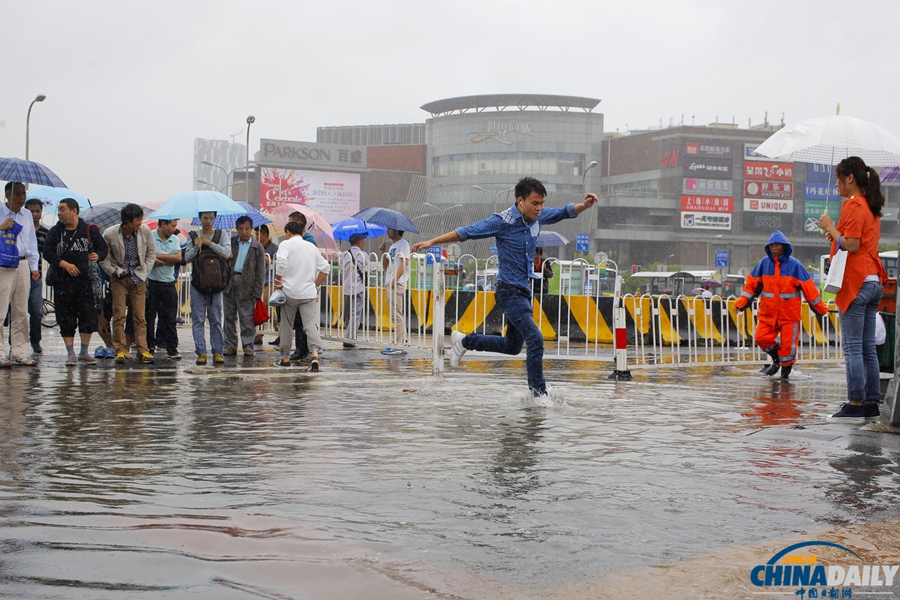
column 516, row 305
column 858, row 338
column 205, row 306
column 35, row 310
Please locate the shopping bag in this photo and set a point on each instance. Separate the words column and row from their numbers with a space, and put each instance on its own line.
column 9, row 252
column 880, row 330
column 836, row 272
column 260, row 313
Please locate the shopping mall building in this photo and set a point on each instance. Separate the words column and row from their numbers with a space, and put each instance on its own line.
column 676, row 195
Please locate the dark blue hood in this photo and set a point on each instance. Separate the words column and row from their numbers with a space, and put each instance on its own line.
column 779, row 238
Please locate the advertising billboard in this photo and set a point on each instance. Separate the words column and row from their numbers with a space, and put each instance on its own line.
column 820, row 191
column 703, row 220
column 710, row 204
column 768, row 222
column 769, row 189
column 707, row 168
column 766, row 205
column 813, row 209
column 707, row 150
column 819, row 173
column 750, row 152
column 333, row 195
column 710, row 187
column 769, row 170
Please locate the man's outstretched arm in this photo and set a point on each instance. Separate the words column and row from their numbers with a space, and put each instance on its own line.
column 589, row 201
column 450, row 236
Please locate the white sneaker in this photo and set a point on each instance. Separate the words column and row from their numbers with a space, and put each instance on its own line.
column 457, row 350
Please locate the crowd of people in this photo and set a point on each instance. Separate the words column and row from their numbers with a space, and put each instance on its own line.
column 230, row 278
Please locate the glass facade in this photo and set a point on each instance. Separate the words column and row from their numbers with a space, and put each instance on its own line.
column 373, row 135
column 536, row 164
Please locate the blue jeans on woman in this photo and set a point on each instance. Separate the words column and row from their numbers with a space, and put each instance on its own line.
column 858, row 338
column 515, row 302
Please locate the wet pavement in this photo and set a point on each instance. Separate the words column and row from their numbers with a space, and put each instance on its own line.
column 373, row 479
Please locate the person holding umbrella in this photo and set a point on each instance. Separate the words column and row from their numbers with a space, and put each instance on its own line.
column 858, row 231
column 515, row 231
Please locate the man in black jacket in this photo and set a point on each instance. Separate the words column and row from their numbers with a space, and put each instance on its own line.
column 70, row 246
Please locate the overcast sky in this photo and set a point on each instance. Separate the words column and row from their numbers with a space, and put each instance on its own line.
column 129, row 85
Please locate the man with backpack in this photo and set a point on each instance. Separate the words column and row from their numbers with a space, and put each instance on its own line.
column 354, row 267
column 132, row 255
column 208, row 251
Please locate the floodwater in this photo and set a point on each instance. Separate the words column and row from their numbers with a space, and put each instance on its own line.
column 373, row 479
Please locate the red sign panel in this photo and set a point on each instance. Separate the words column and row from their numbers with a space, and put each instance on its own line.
column 769, row 189
column 768, row 170
column 710, row 204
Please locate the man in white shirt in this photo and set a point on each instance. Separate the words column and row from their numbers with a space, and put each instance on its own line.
column 299, row 271
column 354, row 271
column 15, row 284
column 396, row 263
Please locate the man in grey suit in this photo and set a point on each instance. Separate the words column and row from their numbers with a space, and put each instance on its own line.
column 248, row 263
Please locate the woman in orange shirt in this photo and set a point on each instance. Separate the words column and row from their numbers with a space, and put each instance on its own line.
column 858, row 232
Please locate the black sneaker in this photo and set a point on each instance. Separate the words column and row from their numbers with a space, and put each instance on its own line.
column 850, row 413
column 36, row 348
column 871, row 410
column 772, row 369
column 275, row 342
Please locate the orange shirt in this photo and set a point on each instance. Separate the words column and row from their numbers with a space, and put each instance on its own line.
column 857, row 221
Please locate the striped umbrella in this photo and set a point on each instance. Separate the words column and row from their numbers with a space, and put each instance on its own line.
column 109, row 214
column 28, row 171
column 230, row 221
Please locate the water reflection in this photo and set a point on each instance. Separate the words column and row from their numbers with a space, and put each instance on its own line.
column 870, row 477
column 514, row 470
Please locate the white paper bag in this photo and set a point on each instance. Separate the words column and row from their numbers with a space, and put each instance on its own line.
column 836, row 272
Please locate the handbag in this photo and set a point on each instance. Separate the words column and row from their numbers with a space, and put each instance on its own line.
column 835, row 277
column 9, row 252
column 260, row 313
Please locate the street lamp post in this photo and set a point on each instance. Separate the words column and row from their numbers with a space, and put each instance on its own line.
column 583, row 175
column 707, row 247
column 443, row 210
column 212, row 185
column 493, row 193
column 38, row 98
column 250, row 120
column 229, row 175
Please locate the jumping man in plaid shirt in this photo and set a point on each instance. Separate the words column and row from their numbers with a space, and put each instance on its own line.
column 515, row 230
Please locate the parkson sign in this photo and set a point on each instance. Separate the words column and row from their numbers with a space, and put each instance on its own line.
column 284, row 153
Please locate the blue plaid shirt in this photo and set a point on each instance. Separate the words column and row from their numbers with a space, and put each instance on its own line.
column 516, row 239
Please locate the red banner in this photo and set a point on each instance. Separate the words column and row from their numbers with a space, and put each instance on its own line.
column 768, row 170
column 710, row 204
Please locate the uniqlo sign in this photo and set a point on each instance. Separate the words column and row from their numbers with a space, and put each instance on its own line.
column 769, row 189
column 709, row 204
column 769, row 170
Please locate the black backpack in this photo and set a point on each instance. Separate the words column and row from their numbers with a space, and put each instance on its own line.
column 210, row 273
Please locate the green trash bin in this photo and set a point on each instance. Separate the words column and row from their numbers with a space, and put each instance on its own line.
column 886, row 350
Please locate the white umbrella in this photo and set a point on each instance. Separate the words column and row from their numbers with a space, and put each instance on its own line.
column 829, row 140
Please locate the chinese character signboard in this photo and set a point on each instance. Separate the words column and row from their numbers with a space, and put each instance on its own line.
column 712, row 187
column 768, row 222
column 718, row 149
column 707, row 168
column 582, row 242
column 765, row 205
column 750, row 153
column 697, row 220
column 710, row 204
column 813, row 209
column 769, row 189
column 721, row 258
column 333, row 195
column 284, row 153
column 769, row 170
column 819, row 191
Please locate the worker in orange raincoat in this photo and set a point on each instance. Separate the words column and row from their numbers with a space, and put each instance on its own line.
column 778, row 280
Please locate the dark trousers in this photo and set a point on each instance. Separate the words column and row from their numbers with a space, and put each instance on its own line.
column 35, row 310
column 300, row 342
column 162, row 309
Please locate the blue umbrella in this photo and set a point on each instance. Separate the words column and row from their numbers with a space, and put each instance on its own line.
column 342, row 230
column 551, row 238
column 50, row 197
column 28, row 171
column 191, row 204
column 386, row 218
column 230, row 221
column 109, row 214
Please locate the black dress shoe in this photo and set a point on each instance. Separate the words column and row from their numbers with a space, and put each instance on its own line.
column 295, row 355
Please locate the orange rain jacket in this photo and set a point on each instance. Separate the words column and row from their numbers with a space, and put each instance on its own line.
column 779, row 284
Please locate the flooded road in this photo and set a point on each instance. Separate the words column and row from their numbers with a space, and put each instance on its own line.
column 254, row 482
